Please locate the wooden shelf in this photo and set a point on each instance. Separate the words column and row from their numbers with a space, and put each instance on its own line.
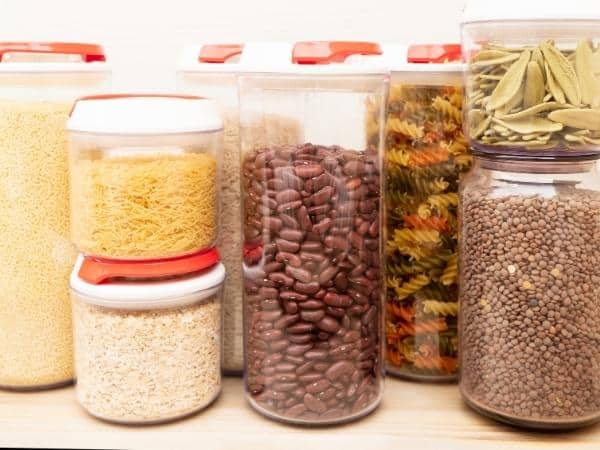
column 424, row 415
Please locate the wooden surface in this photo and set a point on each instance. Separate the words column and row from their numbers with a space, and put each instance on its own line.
column 421, row 415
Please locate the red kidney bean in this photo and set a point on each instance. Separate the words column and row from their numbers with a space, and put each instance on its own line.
column 308, row 170
column 289, row 206
column 286, row 321
column 289, row 259
column 287, row 196
column 287, row 246
column 307, row 288
column 300, row 338
column 312, row 315
column 304, row 218
column 289, row 221
column 299, row 274
column 310, row 377
column 281, row 279
column 329, row 324
column 300, row 328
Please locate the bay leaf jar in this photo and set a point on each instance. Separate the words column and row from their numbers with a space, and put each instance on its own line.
column 145, row 175
column 39, row 82
column 533, row 79
column 147, row 336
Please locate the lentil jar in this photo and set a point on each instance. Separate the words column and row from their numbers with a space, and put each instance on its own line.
column 145, row 175
column 38, row 85
column 530, row 290
column 425, row 153
column 311, row 217
column 147, row 337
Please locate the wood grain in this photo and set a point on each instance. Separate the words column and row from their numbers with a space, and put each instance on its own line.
column 423, row 416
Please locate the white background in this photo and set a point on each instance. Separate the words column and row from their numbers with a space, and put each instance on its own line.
column 143, row 37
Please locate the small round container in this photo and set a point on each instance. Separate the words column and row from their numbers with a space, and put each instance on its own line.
column 145, row 175
column 533, row 81
column 530, row 291
column 147, row 337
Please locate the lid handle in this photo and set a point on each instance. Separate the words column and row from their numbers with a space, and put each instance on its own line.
column 97, row 271
column 88, row 52
column 326, row 52
column 219, row 53
column 434, row 54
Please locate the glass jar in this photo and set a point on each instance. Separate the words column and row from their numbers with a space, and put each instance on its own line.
column 145, row 175
column 147, row 337
column 38, row 85
column 530, row 291
column 426, row 153
column 533, row 80
column 311, row 217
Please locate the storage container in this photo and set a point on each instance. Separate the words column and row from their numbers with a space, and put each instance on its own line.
column 533, row 80
column 38, row 84
column 311, row 217
column 211, row 70
column 425, row 154
column 147, row 337
column 530, row 291
column 145, row 175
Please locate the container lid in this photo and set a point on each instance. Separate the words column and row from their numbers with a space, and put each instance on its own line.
column 494, row 10
column 219, row 53
column 153, row 284
column 425, row 58
column 144, row 114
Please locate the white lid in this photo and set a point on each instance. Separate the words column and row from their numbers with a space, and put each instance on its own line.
column 495, row 10
column 148, row 294
column 144, row 114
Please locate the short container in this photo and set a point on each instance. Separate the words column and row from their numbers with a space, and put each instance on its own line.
column 38, row 84
column 530, row 291
column 147, row 337
column 533, row 82
column 426, row 153
column 312, row 241
column 145, row 175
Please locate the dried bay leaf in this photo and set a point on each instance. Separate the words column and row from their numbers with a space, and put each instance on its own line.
column 538, row 57
column 478, row 62
column 535, row 88
column 586, row 119
column 583, row 68
column 511, row 83
column 563, row 72
column 553, row 86
column 535, row 110
column 478, row 123
column 514, row 103
column 530, row 125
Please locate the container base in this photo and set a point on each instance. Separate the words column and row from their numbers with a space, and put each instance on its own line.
column 422, row 378
column 44, row 387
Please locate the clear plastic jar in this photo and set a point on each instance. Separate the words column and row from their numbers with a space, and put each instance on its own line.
column 147, row 337
column 533, row 80
column 530, row 291
column 38, row 85
column 145, row 175
column 425, row 153
column 311, row 217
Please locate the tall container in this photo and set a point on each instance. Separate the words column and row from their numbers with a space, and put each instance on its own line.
column 425, row 154
column 38, row 84
column 211, row 71
column 145, row 175
column 311, row 217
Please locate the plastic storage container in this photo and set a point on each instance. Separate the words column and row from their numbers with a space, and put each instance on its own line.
column 311, row 217
column 426, row 153
column 145, row 175
column 211, row 70
column 530, row 291
column 38, row 84
column 533, row 81
column 147, row 337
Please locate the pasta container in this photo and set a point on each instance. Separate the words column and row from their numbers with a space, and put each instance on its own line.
column 38, row 84
column 533, row 78
column 211, row 70
column 311, row 189
column 425, row 155
column 145, row 175
column 147, row 336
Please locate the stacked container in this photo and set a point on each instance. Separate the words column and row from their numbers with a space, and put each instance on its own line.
column 425, row 155
column 38, row 84
column 311, row 237
column 145, row 205
column 529, row 291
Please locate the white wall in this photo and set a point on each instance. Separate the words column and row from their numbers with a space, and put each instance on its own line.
column 143, row 37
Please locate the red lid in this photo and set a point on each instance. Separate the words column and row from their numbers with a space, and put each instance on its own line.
column 96, row 271
column 219, row 53
column 436, row 53
column 326, row 52
column 88, row 52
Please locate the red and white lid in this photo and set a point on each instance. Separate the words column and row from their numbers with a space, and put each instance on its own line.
column 144, row 114
column 441, row 58
column 149, row 284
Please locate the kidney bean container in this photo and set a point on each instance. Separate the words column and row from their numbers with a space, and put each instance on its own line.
column 311, row 238
column 147, row 336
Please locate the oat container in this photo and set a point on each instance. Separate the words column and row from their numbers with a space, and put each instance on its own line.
column 147, row 337
column 145, row 175
column 311, row 236
column 38, row 84
column 533, row 79
column 425, row 155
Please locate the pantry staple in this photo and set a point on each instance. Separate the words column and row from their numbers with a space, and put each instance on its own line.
column 35, row 254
